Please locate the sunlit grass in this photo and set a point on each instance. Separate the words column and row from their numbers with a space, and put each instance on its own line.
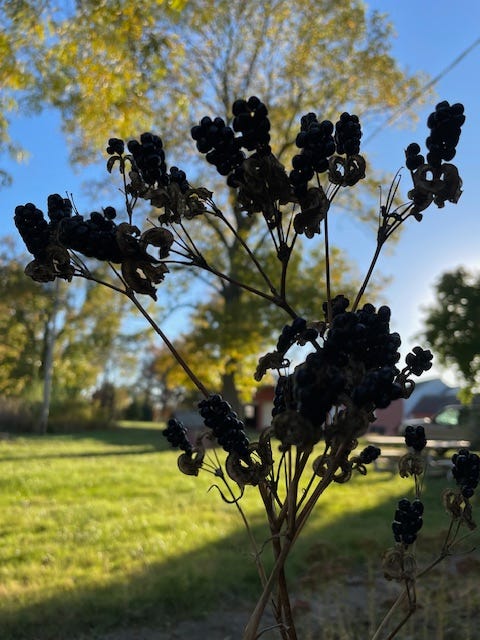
column 102, row 530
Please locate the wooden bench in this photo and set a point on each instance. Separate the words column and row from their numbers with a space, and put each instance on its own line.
column 393, row 448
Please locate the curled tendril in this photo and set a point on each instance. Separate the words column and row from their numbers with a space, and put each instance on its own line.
column 222, row 495
column 345, row 474
column 359, row 466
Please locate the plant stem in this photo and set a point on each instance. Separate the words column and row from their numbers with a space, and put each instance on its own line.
column 168, row 344
column 369, row 274
column 327, row 270
column 443, row 554
column 251, row 629
column 319, row 489
column 249, row 252
column 258, row 562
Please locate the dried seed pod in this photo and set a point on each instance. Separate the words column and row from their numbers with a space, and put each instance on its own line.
column 157, row 237
column 314, row 206
column 138, row 281
column 125, row 236
column 39, row 271
column 346, row 172
column 243, row 473
column 411, row 464
column 399, row 564
column 190, row 464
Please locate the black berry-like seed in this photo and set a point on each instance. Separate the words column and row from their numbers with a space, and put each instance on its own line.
column 415, row 437
column 466, row 471
column 227, row 428
column 115, row 146
column 408, row 521
column 176, row 434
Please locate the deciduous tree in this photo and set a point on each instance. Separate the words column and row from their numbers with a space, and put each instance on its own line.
column 114, row 68
column 452, row 326
column 88, row 324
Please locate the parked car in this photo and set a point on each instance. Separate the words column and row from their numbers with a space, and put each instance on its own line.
column 453, row 422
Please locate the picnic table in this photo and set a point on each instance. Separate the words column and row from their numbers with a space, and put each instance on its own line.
column 393, row 448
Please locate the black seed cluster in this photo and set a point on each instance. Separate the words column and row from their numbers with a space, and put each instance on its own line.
column 377, row 387
column 176, row 434
column 419, row 361
column 149, row 158
column 413, row 157
column 251, row 120
column 317, row 387
column 466, row 471
column 282, row 399
column 348, row 133
column 179, row 177
column 415, row 437
column 115, row 146
column 33, row 228
column 218, row 141
column 357, row 360
column 227, row 428
column 408, row 520
column 316, row 142
column 338, row 305
column 58, row 208
column 445, row 127
column 94, row 237
column 363, row 335
column 292, row 332
column 369, row 454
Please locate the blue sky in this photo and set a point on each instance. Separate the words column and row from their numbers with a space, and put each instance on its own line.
column 429, row 37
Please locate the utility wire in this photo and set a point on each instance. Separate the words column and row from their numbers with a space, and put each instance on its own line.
column 415, row 96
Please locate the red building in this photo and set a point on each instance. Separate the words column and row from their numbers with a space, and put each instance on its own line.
column 387, row 422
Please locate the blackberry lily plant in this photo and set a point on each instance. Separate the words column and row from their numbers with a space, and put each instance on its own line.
column 323, row 405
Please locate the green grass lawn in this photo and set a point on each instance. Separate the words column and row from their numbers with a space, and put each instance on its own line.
column 101, row 530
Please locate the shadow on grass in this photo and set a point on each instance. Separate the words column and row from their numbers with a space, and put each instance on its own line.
column 197, row 583
column 145, row 439
column 122, row 435
column 84, row 454
column 140, row 440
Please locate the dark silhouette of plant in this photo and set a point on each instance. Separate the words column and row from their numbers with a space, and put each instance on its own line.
column 351, row 363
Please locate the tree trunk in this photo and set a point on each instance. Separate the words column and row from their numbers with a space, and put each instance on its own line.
column 50, row 335
column 230, row 392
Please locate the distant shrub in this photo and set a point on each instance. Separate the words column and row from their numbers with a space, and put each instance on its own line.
column 16, row 415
